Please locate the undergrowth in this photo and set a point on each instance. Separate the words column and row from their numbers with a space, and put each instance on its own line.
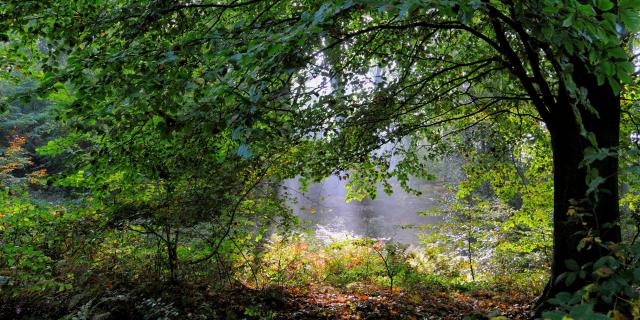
column 124, row 281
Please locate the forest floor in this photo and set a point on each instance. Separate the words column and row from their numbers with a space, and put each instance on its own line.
column 375, row 303
column 161, row 301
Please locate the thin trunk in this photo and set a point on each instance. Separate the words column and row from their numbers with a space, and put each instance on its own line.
column 173, row 257
column 172, row 254
column 473, row 276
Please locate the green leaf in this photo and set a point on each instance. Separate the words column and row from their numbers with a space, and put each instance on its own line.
column 571, row 278
column 561, row 299
column 592, row 154
column 628, row 11
column 624, row 71
column 606, row 260
column 586, row 10
column 553, row 315
column 615, row 84
column 585, row 311
column 607, row 67
column 592, row 139
column 571, row 265
column 604, row 5
column 582, row 274
column 594, row 180
column 568, row 21
column 600, row 78
column 629, row 4
column 550, row 10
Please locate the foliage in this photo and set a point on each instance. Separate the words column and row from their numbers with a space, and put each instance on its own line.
column 300, row 260
column 45, row 247
column 615, row 274
column 180, row 120
column 498, row 218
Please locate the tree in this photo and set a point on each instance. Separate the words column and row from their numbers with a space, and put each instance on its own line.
column 409, row 71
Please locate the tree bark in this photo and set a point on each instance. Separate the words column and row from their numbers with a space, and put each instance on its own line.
column 577, row 216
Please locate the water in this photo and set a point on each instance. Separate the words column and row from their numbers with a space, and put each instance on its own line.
column 388, row 216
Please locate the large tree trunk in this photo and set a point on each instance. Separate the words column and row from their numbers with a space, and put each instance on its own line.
column 578, row 217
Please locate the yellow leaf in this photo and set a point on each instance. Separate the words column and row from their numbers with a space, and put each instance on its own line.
column 604, row 272
column 617, row 315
